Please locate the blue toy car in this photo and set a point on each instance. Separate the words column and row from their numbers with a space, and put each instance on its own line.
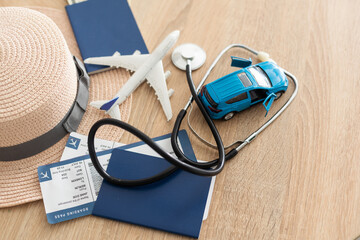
column 262, row 82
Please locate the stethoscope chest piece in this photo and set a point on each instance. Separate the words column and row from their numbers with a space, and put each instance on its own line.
column 188, row 51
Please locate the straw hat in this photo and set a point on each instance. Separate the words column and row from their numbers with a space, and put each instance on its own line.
column 38, row 87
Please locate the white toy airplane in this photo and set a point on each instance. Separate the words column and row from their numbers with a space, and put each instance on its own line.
column 146, row 66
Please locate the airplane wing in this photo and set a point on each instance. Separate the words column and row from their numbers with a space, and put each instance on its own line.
column 156, row 79
column 130, row 62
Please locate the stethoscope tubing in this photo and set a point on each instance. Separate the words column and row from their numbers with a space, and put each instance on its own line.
column 209, row 168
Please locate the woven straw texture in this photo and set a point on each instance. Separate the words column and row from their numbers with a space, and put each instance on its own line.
column 37, row 87
column 28, row 42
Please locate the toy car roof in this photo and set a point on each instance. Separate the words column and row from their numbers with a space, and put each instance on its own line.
column 232, row 84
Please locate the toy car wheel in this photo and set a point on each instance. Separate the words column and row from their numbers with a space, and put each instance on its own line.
column 229, row 116
column 278, row 95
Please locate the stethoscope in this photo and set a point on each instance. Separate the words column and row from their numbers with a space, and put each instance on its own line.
column 183, row 57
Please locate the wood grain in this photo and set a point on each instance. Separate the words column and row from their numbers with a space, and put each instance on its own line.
column 300, row 178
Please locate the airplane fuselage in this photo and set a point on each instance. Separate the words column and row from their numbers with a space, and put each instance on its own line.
column 140, row 74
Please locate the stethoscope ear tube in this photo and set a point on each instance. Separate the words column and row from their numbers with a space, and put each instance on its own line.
column 252, row 136
column 262, row 56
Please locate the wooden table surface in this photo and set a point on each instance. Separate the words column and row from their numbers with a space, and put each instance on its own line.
column 300, row 178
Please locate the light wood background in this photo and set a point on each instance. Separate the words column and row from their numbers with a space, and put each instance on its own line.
column 300, row 179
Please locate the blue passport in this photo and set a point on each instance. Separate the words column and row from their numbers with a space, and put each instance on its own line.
column 175, row 204
column 102, row 27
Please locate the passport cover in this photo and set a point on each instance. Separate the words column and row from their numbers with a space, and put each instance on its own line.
column 102, row 27
column 175, row 204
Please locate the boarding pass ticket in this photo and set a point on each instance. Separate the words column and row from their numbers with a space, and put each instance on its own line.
column 70, row 187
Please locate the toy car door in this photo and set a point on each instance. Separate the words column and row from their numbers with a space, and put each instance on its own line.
column 257, row 95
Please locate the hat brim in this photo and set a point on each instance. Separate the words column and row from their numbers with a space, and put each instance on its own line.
column 18, row 179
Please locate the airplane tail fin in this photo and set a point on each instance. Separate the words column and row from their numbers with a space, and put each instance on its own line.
column 115, row 113
column 108, row 107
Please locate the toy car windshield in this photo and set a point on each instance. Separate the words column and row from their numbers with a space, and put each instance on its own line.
column 260, row 77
